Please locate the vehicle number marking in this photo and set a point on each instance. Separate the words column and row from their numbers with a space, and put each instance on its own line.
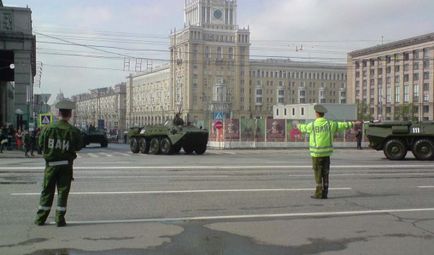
column 416, row 130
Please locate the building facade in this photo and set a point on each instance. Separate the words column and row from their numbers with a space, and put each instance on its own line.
column 17, row 65
column 394, row 81
column 279, row 82
column 211, row 73
column 103, row 108
column 148, row 97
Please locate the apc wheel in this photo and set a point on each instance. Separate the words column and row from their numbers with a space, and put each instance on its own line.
column 154, row 147
column 176, row 149
column 188, row 149
column 166, row 146
column 395, row 149
column 200, row 149
column 423, row 149
column 143, row 145
column 134, row 145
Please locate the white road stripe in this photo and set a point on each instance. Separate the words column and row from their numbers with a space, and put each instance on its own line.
column 92, row 155
column 266, row 167
column 150, row 176
column 104, row 154
column 425, row 187
column 366, row 174
column 122, row 154
column 256, row 216
column 181, row 191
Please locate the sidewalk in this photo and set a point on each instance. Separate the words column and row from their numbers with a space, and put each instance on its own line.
column 17, row 154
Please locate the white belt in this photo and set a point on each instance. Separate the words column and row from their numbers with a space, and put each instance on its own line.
column 58, row 163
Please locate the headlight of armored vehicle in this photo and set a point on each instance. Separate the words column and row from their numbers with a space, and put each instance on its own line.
column 142, row 131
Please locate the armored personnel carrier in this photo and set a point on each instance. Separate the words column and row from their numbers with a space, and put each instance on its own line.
column 94, row 136
column 168, row 139
column 395, row 138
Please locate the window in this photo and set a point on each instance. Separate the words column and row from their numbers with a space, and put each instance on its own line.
column 425, row 64
column 425, row 108
column 207, row 55
column 397, row 69
column 425, row 53
column 388, row 59
column 219, row 53
column 416, row 77
column 302, row 111
column 406, row 97
column 406, row 67
column 380, row 71
column 231, row 53
column 406, row 56
column 406, row 77
column 397, row 79
column 415, row 54
column 426, row 75
column 388, row 69
column 426, row 96
column 416, row 66
column 416, row 92
column 388, row 94
column 380, row 82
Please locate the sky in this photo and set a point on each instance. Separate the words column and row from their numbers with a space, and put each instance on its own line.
column 87, row 44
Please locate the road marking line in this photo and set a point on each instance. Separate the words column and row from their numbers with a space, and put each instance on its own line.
column 255, row 216
column 104, row 154
column 79, row 156
column 92, row 155
column 365, row 174
column 180, row 191
column 122, row 154
column 150, row 176
column 269, row 167
column 425, row 187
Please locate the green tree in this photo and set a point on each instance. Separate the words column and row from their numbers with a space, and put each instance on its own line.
column 363, row 111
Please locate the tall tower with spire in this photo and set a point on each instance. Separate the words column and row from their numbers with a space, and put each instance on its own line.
column 210, row 61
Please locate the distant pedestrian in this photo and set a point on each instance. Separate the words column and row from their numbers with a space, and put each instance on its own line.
column 60, row 141
column 19, row 139
column 359, row 137
column 3, row 138
column 321, row 133
column 27, row 143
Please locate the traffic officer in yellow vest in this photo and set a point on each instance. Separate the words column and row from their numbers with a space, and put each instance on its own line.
column 59, row 143
column 321, row 133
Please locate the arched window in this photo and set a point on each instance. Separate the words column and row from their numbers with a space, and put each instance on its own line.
column 219, row 53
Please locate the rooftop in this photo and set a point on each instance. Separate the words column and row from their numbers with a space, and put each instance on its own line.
column 393, row 45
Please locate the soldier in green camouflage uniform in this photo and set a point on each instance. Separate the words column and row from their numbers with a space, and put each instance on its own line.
column 59, row 143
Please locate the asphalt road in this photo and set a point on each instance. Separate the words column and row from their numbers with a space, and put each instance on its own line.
column 231, row 202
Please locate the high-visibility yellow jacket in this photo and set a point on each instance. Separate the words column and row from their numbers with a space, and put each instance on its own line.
column 321, row 133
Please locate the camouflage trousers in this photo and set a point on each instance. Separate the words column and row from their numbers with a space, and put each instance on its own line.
column 321, row 169
column 54, row 176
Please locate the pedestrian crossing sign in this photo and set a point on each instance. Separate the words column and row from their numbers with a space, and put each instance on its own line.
column 45, row 119
column 218, row 115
